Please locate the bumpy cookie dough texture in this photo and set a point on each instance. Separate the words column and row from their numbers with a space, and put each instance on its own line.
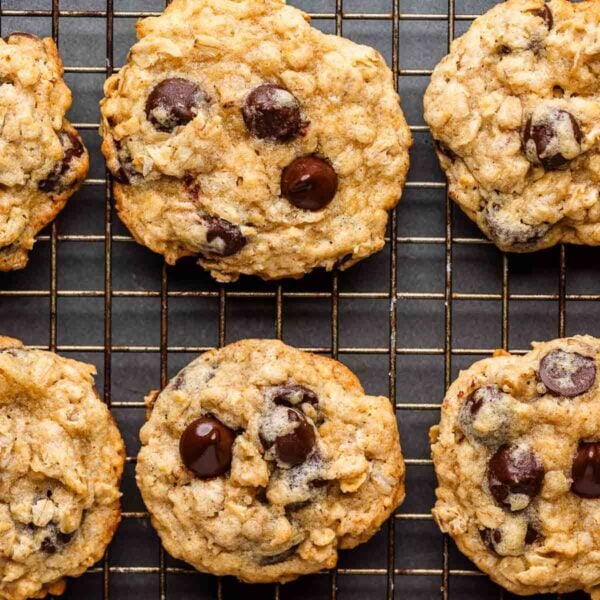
column 42, row 158
column 515, row 108
column 517, row 455
column 264, row 521
column 61, row 458
column 171, row 185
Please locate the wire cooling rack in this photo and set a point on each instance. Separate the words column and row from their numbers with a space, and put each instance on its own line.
column 436, row 299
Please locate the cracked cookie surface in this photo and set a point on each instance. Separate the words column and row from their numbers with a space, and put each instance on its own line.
column 517, row 456
column 42, row 160
column 61, row 458
column 261, row 461
column 513, row 110
column 239, row 134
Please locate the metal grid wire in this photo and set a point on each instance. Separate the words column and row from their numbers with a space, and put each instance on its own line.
column 392, row 580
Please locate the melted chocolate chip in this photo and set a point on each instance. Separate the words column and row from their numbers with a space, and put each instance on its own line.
column 124, row 174
column 481, row 396
column 31, row 36
column 504, row 50
column 496, row 418
column 73, row 148
column 490, row 537
column 273, row 113
column 295, row 447
column 224, row 237
column 206, row 447
column 192, row 186
column 278, row 558
column 173, row 102
column 48, row 546
column 504, row 230
column 320, row 483
column 443, row 149
column 567, row 374
column 309, row 183
column 514, row 470
column 532, row 535
column 126, row 171
column 52, row 543
column 293, row 395
column 586, row 470
column 546, row 14
column 548, row 139
column 342, row 261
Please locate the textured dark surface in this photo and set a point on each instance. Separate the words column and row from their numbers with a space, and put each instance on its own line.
column 456, row 302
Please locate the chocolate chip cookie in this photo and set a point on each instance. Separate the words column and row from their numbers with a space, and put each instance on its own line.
column 240, row 135
column 517, row 456
column 261, row 461
column 513, row 111
column 42, row 158
column 61, row 458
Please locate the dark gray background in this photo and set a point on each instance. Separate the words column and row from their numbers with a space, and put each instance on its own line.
column 132, row 364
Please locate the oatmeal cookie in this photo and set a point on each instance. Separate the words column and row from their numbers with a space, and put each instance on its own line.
column 239, row 134
column 513, row 110
column 517, row 456
column 61, row 458
column 261, row 461
column 42, row 158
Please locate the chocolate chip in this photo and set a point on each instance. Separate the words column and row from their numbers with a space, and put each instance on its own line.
column 173, row 102
column 492, row 427
column 320, row 483
column 481, row 396
column 546, row 14
column 224, row 237
column 586, row 470
column 273, row 113
column 52, row 543
column 505, row 230
column 532, row 535
column 551, row 138
column 206, row 447
column 294, row 395
column 64, row 538
column 443, row 149
column 31, row 36
column 309, row 183
column 192, row 186
column 48, row 546
column 514, row 470
column 342, row 261
column 504, row 50
column 124, row 174
column 490, row 537
column 278, row 558
column 126, row 171
column 294, row 447
column 73, row 148
column 567, row 374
